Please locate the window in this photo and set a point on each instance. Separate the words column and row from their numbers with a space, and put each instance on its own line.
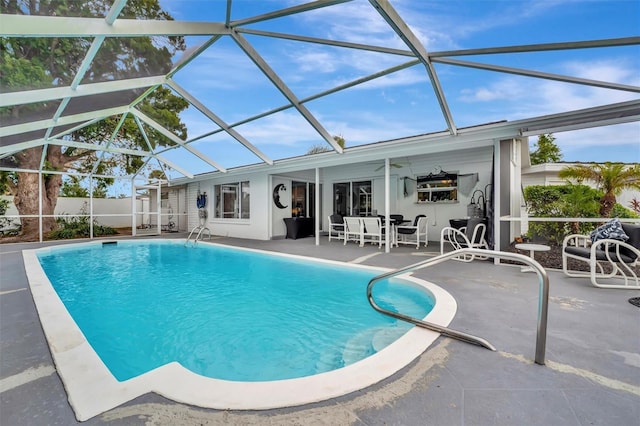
column 437, row 188
column 353, row 198
column 232, row 200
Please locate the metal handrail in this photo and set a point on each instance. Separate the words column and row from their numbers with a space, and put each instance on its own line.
column 543, row 299
column 199, row 228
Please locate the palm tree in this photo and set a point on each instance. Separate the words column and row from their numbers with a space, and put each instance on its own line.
column 611, row 178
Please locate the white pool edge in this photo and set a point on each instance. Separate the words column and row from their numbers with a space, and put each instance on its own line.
column 92, row 389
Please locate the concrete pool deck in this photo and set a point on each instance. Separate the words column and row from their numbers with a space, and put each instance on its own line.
column 591, row 376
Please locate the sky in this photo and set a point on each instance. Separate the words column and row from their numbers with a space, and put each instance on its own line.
column 403, row 103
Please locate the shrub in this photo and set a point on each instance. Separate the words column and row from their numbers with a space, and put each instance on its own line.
column 561, row 201
column 78, row 227
column 623, row 213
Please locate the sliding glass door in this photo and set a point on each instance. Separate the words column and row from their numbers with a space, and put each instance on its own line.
column 303, row 199
column 353, row 198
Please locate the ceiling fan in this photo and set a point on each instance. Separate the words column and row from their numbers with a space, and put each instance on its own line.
column 395, row 164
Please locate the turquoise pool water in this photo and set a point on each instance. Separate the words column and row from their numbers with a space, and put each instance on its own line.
column 222, row 312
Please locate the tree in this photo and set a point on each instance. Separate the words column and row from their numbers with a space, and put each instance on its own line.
column 48, row 62
column 546, row 151
column 316, row 149
column 611, row 178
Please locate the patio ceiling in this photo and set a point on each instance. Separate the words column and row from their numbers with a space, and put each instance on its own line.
column 48, row 116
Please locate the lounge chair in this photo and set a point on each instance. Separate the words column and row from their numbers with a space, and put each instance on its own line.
column 470, row 236
column 610, row 260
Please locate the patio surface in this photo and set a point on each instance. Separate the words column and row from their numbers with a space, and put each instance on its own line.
column 591, row 376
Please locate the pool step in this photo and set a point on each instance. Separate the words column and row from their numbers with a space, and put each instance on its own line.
column 386, row 336
column 360, row 346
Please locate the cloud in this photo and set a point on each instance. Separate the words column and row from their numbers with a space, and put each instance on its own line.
column 619, row 134
column 287, row 128
column 355, row 22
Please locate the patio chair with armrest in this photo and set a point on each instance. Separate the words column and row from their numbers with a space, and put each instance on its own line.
column 470, row 236
column 336, row 226
column 610, row 260
column 413, row 234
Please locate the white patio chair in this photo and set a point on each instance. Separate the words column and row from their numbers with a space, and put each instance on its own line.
column 413, row 234
column 607, row 258
column 373, row 230
column 352, row 230
column 470, row 236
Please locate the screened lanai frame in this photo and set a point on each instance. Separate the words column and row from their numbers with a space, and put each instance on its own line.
column 82, row 103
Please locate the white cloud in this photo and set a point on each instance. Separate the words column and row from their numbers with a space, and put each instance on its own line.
column 285, row 128
column 620, row 134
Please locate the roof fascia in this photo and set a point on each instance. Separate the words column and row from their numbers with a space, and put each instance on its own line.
column 618, row 113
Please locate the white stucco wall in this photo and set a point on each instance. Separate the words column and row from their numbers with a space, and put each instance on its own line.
column 257, row 227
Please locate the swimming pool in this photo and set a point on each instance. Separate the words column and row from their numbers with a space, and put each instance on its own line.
column 79, row 365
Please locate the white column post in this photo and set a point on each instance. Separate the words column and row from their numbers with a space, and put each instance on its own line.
column 318, row 211
column 40, row 206
column 91, row 207
column 387, row 207
column 159, row 207
column 133, row 208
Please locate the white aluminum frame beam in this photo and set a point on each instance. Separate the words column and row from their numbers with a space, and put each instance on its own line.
column 152, row 123
column 286, row 12
column 284, row 89
column 42, row 95
column 62, row 121
column 400, row 27
column 54, row 26
column 315, row 40
column 312, row 97
column 539, row 74
column 540, row 47
column 123, row 117
column 223, row 125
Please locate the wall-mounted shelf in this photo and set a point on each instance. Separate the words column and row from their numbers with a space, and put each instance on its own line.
column 437, row 188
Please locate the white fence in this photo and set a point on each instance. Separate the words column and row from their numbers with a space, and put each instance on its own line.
column 113, row 212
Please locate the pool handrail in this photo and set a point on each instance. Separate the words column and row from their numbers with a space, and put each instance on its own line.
column 199, row 228
column 543, row 299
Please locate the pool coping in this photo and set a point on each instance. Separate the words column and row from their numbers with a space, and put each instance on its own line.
column 92, row 389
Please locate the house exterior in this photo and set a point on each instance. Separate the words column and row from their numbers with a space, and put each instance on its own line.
column 393, row 177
